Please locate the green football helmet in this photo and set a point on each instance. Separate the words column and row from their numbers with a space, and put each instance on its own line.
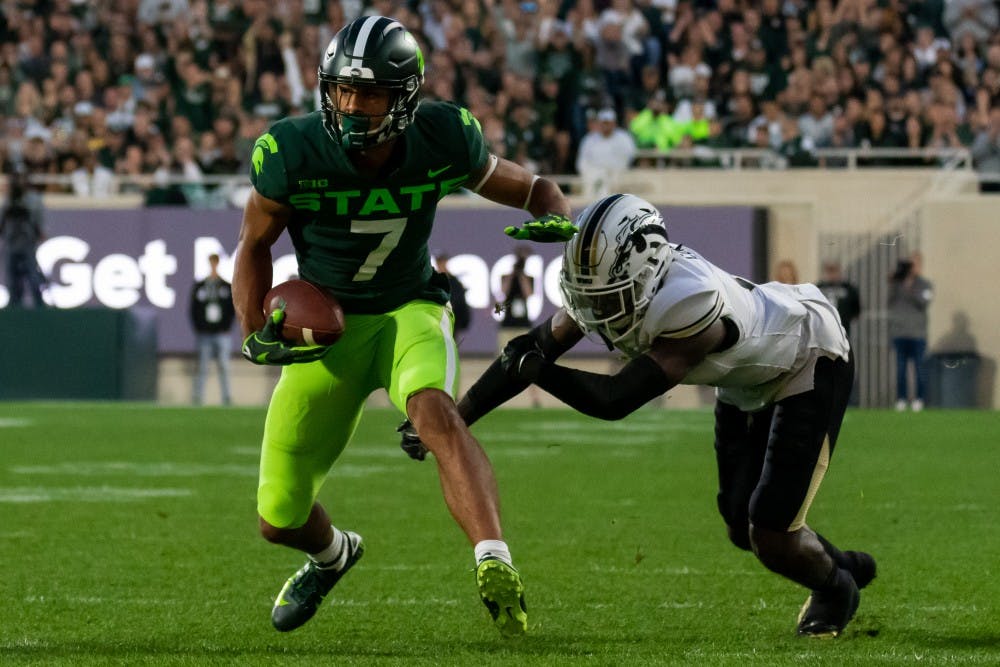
column 371, row 51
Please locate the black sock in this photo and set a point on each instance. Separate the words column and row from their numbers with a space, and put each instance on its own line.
column 837, row 580
column 842, row 559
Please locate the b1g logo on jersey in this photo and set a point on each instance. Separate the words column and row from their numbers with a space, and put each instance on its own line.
column 394, row 200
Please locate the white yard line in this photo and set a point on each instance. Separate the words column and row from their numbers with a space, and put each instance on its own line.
column 91, row 494
column 171, row 469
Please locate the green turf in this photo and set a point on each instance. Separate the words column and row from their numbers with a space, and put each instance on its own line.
column 128, row 536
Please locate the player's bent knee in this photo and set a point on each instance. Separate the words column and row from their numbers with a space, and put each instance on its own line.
column 435, row 417
column 280, row 511
column 272, row 534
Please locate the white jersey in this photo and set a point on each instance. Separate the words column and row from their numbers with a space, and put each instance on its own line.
column 782, row 328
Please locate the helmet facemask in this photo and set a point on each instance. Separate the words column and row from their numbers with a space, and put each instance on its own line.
column 371, row 52
column 614, row 266
column 360, row 130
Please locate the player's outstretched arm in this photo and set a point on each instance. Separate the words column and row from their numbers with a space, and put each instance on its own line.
column 509, row 183
column 552, row 338
column 495, row 387
column 613, row 396
column 603, row 396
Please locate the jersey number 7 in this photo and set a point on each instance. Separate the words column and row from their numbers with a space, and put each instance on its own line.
column 392, row 230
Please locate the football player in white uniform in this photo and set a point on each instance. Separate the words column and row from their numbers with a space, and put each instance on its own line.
column 777, row 355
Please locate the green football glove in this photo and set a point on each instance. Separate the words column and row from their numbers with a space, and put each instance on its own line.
column 267, row 347
column 551, row 228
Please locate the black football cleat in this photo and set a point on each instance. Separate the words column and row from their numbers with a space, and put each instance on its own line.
column 304, row 591
column 826, row 613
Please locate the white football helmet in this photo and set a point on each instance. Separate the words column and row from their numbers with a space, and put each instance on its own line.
column 614, row 265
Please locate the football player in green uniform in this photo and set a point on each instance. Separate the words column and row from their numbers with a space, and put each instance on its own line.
column 356, row 186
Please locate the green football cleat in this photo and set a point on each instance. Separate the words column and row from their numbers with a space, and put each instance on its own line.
column 502, row 592
column 304, row 591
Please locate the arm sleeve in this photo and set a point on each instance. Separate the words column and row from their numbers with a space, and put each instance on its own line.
column 607, row 397
column 494, row 387
column 491, row 390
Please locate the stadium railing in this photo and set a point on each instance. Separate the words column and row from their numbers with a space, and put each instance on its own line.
column 949, row 159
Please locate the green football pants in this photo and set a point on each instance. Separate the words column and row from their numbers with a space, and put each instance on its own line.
column 316, row 407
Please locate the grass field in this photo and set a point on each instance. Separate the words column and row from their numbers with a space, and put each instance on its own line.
column 128, row 536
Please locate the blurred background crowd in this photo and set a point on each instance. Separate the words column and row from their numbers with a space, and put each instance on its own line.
column 152, row 90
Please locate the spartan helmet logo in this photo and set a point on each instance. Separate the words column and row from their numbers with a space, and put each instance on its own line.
column 637, row 241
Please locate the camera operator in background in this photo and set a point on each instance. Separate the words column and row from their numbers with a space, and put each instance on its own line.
column 516, row 286
column 459, row 305
column 909, row 295
column 21, row 232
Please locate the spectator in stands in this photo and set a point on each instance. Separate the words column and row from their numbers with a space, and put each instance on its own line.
column 816, row 126
column 605, row 155
column 653, row 126
column 771, row 118
column 986, row 150
column 192, row 92
column 92, row 179
column 736, row 125
column 978, row 18
column 927, row 46
column 796, row 149
column 612, row 56
column 946, row 131
column 684, row 109
column 686, row 70
column 876, row 133
column 266, row 101
column 698, row 129
column 200, row 59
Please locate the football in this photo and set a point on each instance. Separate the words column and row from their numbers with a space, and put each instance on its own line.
column 313, row 316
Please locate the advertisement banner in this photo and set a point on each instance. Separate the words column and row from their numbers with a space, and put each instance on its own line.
column 151, row 257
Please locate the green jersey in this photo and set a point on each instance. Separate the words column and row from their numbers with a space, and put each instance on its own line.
column 366, row 238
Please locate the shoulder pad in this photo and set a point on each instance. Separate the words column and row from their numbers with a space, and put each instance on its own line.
column 685, row 305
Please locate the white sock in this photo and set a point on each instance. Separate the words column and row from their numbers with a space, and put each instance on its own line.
column 496, row 549
column 334, row 556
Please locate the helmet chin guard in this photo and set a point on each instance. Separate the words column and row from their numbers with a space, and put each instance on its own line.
column 613, row 267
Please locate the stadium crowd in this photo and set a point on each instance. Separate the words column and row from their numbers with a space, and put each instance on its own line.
column 149, row 89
